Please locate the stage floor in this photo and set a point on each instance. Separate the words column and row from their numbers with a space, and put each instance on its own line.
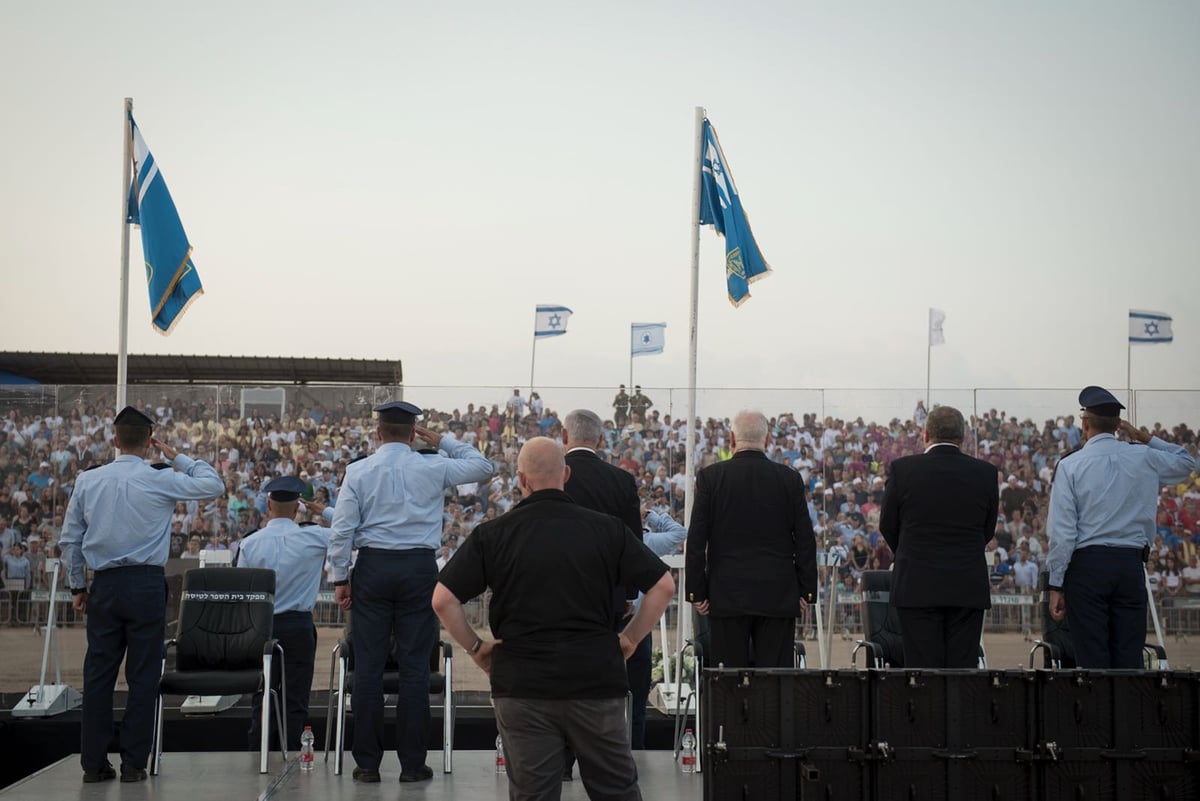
column 233, row 776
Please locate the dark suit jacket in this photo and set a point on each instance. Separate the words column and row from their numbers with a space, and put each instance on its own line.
column 750, row 545
column 939, row 512
column 596, row 484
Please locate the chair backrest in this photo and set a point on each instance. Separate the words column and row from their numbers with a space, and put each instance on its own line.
column 881, row 624
column 1055, row 632
column 226, row 616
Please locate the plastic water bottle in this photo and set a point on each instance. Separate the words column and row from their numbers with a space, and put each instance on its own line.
column 306, row 749
column 500, row 766
column 687, row 752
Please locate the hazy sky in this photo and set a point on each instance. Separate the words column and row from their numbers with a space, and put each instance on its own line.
column 407, row 181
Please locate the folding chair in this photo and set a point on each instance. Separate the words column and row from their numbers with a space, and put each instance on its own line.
column 225, row 646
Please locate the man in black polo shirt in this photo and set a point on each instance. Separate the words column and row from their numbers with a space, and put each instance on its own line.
column 557, row 666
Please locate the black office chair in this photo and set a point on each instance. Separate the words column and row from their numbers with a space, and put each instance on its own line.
column 341, row 684
column 881, row 624
column 1058, row 652
column 224, row 646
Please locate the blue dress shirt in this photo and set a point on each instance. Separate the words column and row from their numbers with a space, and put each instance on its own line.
column 392, row 500
column 295, row 553
column 120, row 514
column 1106, row 494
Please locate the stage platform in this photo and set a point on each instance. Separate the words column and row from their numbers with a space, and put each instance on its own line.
column 234, row 776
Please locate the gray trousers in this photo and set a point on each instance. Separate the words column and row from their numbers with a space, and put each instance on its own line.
column 535, row 732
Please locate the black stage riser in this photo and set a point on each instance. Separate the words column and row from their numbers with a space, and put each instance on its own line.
column 904, row 735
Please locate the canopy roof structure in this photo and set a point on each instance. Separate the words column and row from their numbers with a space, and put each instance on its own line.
column 101, row 368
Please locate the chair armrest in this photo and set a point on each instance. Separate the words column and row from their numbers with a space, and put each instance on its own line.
column 447, row 649
column 1050, row 648
column 875, row 650
column 270, row 645
column 1159, row 652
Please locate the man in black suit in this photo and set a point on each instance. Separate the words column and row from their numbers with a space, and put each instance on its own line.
column 595, row 484
column 939, row 512
column 751, row 555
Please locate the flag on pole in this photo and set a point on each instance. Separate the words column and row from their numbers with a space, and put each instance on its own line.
column 647, row 338
column 550, row 321
column 1149, row 327
column 936, row 318
column 721, row 208
column 170, row 273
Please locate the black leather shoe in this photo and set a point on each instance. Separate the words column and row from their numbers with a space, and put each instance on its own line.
column 421, row 774
column 132, row 774
column 366, row 775
column 106, row 773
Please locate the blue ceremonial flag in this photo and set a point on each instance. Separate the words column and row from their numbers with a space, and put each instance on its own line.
column 647, row 338
column 1149, row 327
column 170, row 273
column 550, row 321
column 721, row 208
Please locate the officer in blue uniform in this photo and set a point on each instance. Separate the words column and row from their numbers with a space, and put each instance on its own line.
column 1101, row 521
column 390, row 510
column 297, row 555
column 118, row 522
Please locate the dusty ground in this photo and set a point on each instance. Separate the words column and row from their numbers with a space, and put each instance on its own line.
column 21, row 657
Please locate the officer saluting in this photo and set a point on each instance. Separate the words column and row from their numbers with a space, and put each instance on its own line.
column 118, row 521
column 297, row 555
column 390, row 509
column 1102, row 508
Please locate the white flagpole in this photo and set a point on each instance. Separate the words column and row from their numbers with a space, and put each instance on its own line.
column 533, row 357
column 630, row 384
column 123, row 315
column 928, row 357
column 685, row 617
column 1129, row 383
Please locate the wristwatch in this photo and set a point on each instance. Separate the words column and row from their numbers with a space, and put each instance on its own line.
column 78, row 590
column 474, row 649
column 341, row 583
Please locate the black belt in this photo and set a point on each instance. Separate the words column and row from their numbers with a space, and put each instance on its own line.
column 132, row 569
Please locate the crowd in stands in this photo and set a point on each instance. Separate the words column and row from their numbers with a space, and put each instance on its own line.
column 844, row 463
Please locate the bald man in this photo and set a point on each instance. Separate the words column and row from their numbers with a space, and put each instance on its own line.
column 557, row 665
column 751, row 555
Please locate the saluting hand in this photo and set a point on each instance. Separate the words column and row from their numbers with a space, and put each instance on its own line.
column 431, row 438
column 315, row 507
column 166, row 449
column 1133, row 433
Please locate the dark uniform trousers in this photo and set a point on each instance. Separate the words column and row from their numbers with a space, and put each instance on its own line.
column 298, row 638
column 391, row 598
column 126, row 619
column 752, row 641
column 638, row 667
column 1105, row 588
column 940, row 636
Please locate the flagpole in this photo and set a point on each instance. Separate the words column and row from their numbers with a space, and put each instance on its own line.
column 123, row 314
column 1129, row 382
column 685, row 620
column 630, row 384
column 533, row 359
column 928, row 357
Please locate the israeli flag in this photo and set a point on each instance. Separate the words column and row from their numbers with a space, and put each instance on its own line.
column 1149, row 327
column 170, row 273
column 550, row 321
column 647, row 338
column 721, row 208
